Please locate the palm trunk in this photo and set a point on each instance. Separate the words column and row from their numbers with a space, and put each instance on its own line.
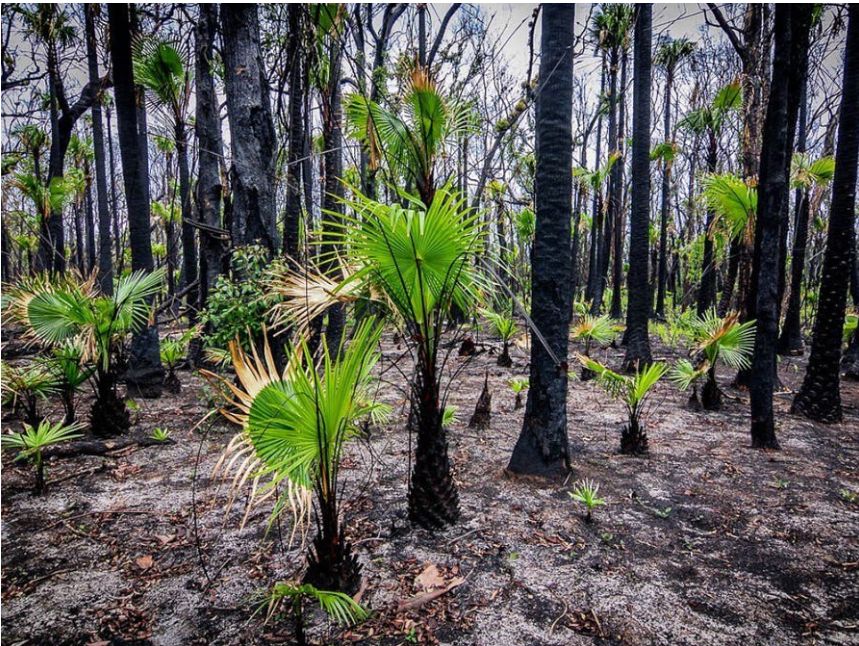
column 145, row 372
column 789, row 65
column 666, row 198
column 638, row 343
column 819, row 398
column 707, row 292
column 189, row 245
column 542, row 447
column 619, row 223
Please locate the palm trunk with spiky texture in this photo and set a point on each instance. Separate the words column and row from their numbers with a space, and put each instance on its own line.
column 819, row 398
column 542, row 448
column 433, row 499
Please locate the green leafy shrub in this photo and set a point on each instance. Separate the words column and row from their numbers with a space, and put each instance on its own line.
column 239, row 302
column 586, row 492
column 505, row 328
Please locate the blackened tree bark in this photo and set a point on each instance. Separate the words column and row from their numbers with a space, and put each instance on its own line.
column 292, row 210
column 707, row 291
column 819, row 398
column 105, row 262
column 792, row 24
column 252, row 137
column 145, row 373
column 210, row 144
column 638, row 310
column 89, row 220
column 603, row 238
column 790, row 340
column 618, row 223
column 542, row 447
column 332, row 136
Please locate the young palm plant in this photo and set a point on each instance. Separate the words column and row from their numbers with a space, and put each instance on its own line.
column 24, row 386
column 633, row 391
column 717, row 340
column 593, row 329
column 342, row 608
column 587, row 493
column 173, row 351
column 71, row 373
column 71, row 310
column 417, row 262
column 295, row 427
column 518, row 386
column 505, row 328
column 36, row 438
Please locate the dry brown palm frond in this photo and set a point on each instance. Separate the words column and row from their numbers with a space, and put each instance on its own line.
column 307, row 293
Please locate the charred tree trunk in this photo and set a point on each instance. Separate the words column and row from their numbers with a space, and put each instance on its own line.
column 145, row 372
column 252, row 130
column 707, row 292
column 210, row 143
column 542, row 448
column 789, row 64
column 638, row 310
column 819, row 398
column 291, row 243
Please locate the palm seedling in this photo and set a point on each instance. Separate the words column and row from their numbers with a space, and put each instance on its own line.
column 295, row 427
column 71, row 372
column 593, row 329
column 36, row 438
column 173, row 351
column 518, row 386
column 724, row 340
column 73, row 310
column 24, row 386
column 586, row 492
column 633, row 391
column 340, row 607
column 505, row 328
column 417, row 262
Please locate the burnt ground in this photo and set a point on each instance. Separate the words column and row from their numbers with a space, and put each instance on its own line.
column 704, row 541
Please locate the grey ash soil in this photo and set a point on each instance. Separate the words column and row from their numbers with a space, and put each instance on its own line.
column 704, row 541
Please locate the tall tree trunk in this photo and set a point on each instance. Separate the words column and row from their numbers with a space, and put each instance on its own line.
column 114, row 200
column 145, row 373
column 792, row 23
column 638, row 310
column 790, row 340
column 604, row 235
column 189, row 243
column 332, row 135
column 252, row 135
column 105, row 262
column 707, row 292
column 666, row 199
column 542, row 447
column 210, row 143
column 619, row 222
column 89, row 220
column 291, row 243
column 819, row 398
column 596, row 205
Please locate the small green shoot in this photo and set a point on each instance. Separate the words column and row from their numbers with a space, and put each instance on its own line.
column 160, row 434
column 586, row 492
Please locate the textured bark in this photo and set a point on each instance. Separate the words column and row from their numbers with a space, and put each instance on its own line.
column 292, row 209
column 189, row 242
column 209, row 141
column 637, row 341
column 604, row 238
column 596, row 207
column 789, row 64
column 105, row 262
column 433, row 498
column 618, row 223
column 252, row 137
column 707, row 291
column 89, row 220
column 666, row 198
column 145, row 372
column 332, row 134
column 790, row 340
column 542, row 447
column 819, row 398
